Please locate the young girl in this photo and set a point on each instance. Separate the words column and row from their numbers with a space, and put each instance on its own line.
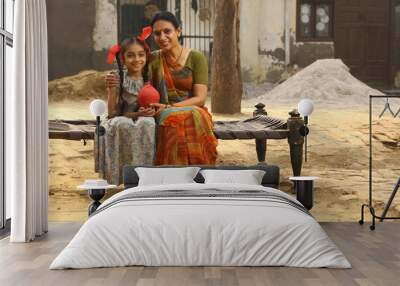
column 129, row 137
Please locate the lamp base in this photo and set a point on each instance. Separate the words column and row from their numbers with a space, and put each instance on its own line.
column 96, row 195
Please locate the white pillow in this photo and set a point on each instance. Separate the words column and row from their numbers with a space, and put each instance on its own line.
column 166, row 176
column 248, row 177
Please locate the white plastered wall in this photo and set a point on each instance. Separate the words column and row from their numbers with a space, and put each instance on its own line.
column 262, row 36
column 105, row 32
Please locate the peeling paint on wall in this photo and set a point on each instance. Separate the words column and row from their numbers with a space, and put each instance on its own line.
column 105, row 32
column 277, row 54
column 270, row 42
column 261, row 34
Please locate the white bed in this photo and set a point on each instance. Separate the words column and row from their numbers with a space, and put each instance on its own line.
column 251, row 225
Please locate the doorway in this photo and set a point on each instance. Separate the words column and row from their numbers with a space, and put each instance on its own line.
column 362, row 39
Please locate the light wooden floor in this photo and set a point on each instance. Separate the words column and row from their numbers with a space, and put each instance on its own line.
column 375, row 256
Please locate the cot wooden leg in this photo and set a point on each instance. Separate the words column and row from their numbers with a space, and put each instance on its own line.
column 261, row 149
column 296, row 158
column 296, row 141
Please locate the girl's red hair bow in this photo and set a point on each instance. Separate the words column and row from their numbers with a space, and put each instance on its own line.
column 112, row 52
column 144, row 35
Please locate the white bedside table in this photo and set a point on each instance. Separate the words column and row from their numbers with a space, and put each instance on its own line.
column 96, row 191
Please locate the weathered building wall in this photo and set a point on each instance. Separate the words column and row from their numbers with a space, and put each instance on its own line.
column 105, row 32
column 271, row 45
column 249, row 39
column 261, row 38
column 79, row 34
column 263, row 44
column 69, row 35
column 303, row 54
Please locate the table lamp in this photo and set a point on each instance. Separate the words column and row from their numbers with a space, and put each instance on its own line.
column 97, row 108
column 305, row 108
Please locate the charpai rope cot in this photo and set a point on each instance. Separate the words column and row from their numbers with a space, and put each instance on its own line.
column 260, row 127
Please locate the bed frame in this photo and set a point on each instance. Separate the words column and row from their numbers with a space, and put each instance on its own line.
column 260, row 127
column 270, row 179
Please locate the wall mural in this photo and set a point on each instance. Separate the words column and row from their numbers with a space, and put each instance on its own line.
column 104, row 53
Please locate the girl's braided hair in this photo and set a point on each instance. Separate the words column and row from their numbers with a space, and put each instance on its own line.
column 124, row 46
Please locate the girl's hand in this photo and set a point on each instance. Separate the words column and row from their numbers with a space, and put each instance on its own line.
column 112, row 80
column 159, row 107
column 146, row 112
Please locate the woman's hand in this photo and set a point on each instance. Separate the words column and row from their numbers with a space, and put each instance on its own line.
column 112, row 80
column 146, row 112
column 159, row 107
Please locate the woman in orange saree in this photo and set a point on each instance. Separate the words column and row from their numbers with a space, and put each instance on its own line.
column 185, row 131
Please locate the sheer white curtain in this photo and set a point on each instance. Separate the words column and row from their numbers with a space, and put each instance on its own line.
column 26, row 123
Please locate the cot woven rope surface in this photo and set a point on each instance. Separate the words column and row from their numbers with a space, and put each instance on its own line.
column 72, row 129
column 258, row 127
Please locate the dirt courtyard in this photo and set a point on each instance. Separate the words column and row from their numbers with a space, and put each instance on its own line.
column 338, row 154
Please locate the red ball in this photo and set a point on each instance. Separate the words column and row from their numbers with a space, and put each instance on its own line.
column 147, row 95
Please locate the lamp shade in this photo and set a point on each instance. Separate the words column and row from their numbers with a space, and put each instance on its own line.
column 97, row 107
column 305, row 107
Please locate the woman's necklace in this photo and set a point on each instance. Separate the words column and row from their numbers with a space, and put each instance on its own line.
column 175, row 63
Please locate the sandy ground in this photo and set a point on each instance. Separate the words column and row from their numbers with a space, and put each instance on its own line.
column 338, row 154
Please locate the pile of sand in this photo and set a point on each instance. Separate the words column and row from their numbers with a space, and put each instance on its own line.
column 325, row 81
column 82, row 86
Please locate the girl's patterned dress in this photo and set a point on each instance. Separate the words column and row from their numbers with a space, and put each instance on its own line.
column 126, row 141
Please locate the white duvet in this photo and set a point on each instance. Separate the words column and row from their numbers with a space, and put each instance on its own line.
column 200, row 231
